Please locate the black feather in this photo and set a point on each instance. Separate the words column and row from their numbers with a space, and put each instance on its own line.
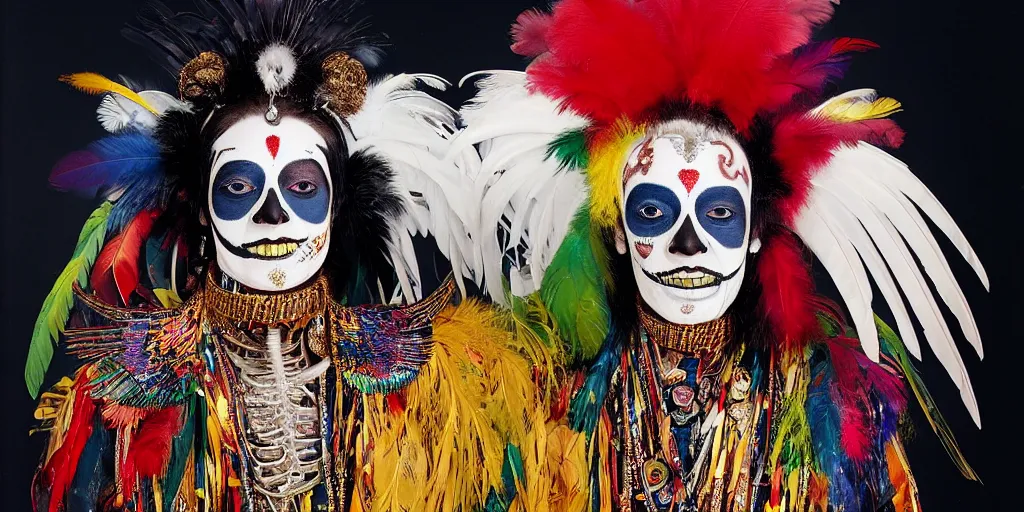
column 239, row 30
column 365, row 209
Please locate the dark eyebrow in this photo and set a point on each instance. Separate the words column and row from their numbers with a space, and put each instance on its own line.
column 218, row 155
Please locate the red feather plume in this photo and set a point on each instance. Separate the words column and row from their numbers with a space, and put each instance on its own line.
column 609, row 58
column 151, row 446
column 787, row 289
column 60, row 470
column 116, row 273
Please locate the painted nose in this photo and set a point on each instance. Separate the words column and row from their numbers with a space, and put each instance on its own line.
column 686, row 241
column 271, row 212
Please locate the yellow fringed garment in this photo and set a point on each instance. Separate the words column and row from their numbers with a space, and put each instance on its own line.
column 445, row 450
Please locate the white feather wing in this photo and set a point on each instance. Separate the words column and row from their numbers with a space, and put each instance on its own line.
column 863, row 207
column 118, row 114
column 411, row 130
column 524, row 200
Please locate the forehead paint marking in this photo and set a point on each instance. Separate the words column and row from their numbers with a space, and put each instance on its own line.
column 273, row 145
column 687, row 146
column 644, row 159
column 689, row 178
column 725, row 164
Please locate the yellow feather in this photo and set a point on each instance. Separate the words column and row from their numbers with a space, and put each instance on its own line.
column 94, row 83
column 851, row 110
column 604, row 172
column 445, row 450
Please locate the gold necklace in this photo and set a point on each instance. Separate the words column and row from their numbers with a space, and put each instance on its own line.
column 294, row 308
column 704, row 339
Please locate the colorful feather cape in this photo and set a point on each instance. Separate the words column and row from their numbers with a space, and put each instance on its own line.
column 849, row 457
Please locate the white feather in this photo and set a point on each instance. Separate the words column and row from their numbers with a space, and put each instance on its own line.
column 412, row 132
column 514, row 186
column 118, row 114
column 840, row 259
column 276, row 67
column 862, row 205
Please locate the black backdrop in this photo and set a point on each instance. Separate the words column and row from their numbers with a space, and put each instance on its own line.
column 948, row 61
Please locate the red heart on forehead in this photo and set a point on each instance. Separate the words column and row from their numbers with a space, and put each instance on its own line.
column 689, row 178
column 273, row 144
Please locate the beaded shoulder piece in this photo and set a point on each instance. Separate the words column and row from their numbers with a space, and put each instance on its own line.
column 152, row 358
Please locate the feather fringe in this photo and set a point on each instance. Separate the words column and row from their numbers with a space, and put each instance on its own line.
column 444, row 450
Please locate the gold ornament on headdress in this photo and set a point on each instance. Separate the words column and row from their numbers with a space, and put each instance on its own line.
column 202, row 77
column 344, row 84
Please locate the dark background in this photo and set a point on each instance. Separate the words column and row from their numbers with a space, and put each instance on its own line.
column 949, row 62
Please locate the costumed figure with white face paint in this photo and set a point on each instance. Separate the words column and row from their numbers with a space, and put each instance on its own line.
column 651, row 191
column 244, row 311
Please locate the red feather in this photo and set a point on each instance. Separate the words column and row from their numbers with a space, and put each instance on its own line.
column 802, row 145
column 609, row 58
column 60, row 469
column 396, row 402
column 120, row 259
column 151, row 446
column 787, row 290
column 529, row 33
column 850, row 395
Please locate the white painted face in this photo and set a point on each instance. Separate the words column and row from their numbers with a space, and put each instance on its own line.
column 686, row 216
column 270, row 199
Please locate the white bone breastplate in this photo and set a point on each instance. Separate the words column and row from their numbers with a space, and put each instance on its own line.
column 282, row 439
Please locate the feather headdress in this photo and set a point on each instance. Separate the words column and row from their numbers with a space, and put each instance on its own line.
column 147, row 243
column 553, row 143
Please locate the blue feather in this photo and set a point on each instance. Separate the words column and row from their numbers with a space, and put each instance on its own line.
column 91, row 474
column 108, row 164
column 825, row 429
column 586, row 406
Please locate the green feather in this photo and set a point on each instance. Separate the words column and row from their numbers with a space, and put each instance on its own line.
column 181, row 447
column 570, row 148
column 892, row 346
column 57, row 306
column 573, row 289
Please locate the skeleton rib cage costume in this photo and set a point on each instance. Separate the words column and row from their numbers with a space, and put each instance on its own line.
column 224, row 301
column 656, row 179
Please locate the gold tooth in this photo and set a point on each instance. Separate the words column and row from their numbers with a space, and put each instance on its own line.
column 708, row 280
column 292, row 247
column 274, row 250
column 687, row 283
column 261, row 250
column 252, row 250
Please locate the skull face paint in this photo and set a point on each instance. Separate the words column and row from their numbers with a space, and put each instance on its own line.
column 270, row 202
column 686, row 217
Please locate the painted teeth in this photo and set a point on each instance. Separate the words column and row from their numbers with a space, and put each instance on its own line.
column 695, row 281
column 274, row 250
